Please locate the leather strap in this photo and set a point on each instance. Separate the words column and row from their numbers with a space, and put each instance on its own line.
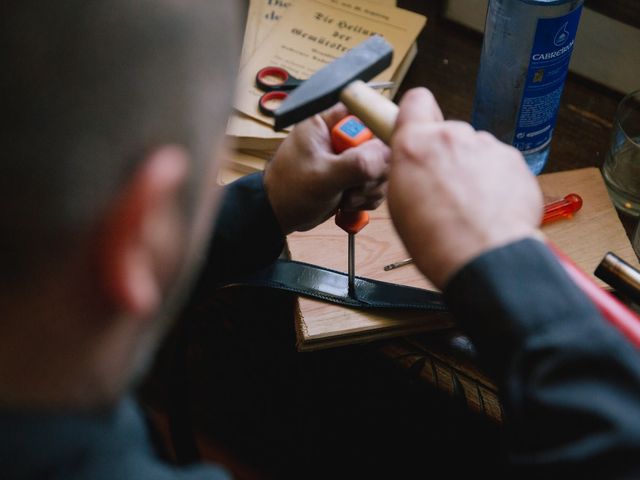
column 332, row 286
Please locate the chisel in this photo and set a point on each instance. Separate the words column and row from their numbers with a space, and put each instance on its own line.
column 348, row 133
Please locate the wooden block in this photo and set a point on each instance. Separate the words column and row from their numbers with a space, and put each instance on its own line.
column 586, row 238
column 595, row 229
column 321, row 324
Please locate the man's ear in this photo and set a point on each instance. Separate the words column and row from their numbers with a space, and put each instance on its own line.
column 143, row 238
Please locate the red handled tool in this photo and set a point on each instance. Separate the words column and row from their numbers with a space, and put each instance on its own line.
column 350, row 132
column 610, row 307
column 615, row 312
column 563, row 208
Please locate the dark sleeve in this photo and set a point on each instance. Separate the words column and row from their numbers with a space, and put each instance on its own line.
column 246, row 236
column 569, row 381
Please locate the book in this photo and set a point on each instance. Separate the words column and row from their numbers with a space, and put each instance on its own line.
column 586, row 238
column 254, row 139
column 263, row 15
column 269, row 31
column 243, row 132
column 313, row 33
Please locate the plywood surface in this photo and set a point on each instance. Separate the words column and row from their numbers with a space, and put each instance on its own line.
column 595, row 230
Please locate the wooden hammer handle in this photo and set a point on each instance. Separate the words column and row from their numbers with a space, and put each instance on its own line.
column 376, row 111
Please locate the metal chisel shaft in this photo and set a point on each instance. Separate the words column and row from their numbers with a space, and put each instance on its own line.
column 352, row 265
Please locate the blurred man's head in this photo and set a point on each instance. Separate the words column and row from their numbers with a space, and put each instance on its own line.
column 114, row 111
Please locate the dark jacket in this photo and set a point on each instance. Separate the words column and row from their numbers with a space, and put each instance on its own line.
column 570, row 382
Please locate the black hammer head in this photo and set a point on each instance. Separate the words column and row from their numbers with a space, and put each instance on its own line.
column 322, row 89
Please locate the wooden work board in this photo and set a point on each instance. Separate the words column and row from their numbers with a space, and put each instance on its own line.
column 586, row 238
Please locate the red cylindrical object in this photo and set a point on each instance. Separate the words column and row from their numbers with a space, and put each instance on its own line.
column 348, row 133
column 563, row 208
column 610, row 307
column 352, row 222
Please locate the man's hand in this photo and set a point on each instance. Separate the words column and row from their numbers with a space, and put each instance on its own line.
column 455, row 193
column 306, row 182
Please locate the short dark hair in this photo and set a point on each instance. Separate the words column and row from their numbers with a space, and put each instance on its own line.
column 88, row 87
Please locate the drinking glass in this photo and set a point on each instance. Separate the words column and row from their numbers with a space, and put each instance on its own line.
column 621, row 169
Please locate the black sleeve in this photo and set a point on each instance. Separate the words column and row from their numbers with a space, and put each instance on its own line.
column 569, row 381
column 246, row 236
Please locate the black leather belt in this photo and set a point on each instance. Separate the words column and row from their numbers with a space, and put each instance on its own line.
column 332, row 286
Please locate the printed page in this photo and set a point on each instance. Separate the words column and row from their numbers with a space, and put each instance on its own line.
column 315, row 32
column 262, row 17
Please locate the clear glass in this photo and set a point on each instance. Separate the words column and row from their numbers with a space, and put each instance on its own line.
column 621, row 168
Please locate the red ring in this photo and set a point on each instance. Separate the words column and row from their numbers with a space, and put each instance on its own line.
column 277, row 95
column 273, row 71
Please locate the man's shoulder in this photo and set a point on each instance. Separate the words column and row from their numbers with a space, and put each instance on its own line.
column 111, row 444
column 135, row 466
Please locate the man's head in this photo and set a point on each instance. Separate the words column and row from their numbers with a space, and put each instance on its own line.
column 114, row 113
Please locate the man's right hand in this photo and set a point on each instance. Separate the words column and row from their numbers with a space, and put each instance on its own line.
column 455, row 193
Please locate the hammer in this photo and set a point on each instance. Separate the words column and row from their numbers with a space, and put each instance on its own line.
column 343, row 80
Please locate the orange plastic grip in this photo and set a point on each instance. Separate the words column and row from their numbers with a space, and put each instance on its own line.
column 348, row 133
column 563, row 208
column 352, row 222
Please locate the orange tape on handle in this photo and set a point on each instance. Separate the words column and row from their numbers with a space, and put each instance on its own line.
column 352, row 222
column 348, row 133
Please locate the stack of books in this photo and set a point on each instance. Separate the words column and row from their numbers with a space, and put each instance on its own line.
column 302, row 36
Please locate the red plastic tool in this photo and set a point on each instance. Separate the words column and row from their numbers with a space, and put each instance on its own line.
column 612, row 309
column 563, row 208
column 350, row 132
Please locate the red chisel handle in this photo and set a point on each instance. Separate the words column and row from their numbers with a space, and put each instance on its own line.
column 352, row 222
column 348, row 133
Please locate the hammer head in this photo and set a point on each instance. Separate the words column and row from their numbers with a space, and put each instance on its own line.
column 322, row 89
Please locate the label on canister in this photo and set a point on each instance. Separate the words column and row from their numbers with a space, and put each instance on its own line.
column 548, row 65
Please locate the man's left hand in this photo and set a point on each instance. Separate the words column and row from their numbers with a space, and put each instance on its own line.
column 306, row 182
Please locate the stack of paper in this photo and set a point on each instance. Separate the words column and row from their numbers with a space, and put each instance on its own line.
column 302, row 36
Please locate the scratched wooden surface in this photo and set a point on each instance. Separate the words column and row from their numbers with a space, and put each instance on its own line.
column 594, row 230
